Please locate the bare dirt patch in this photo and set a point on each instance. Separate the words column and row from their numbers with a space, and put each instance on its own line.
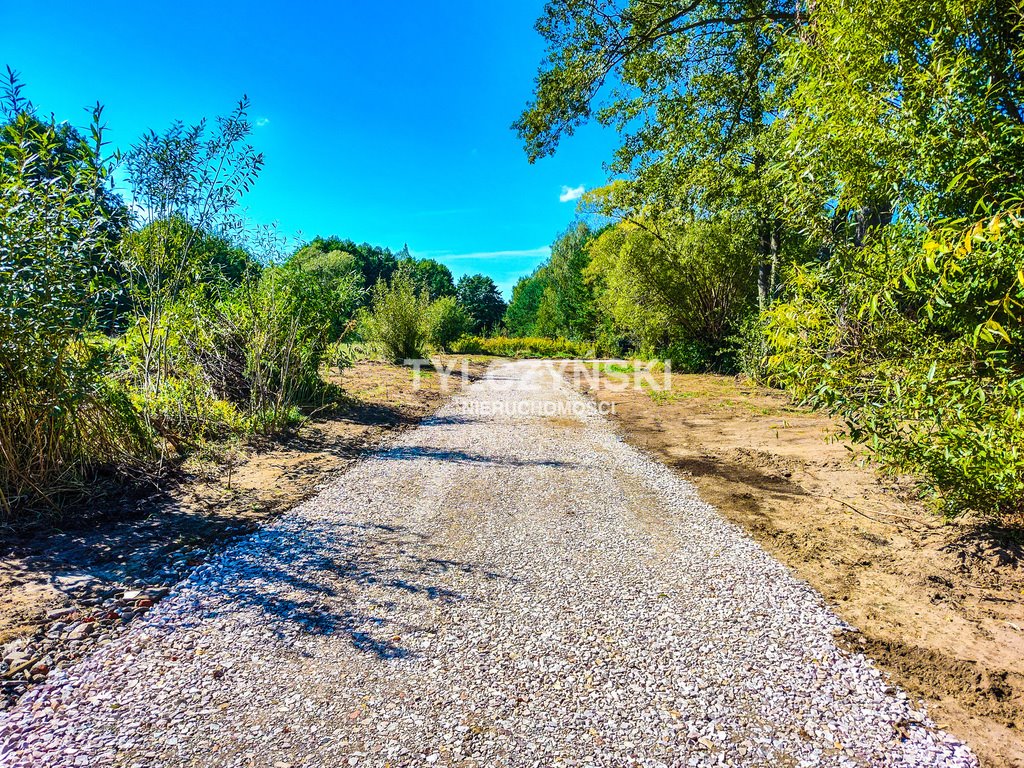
column 939, row 607
column 56, row 578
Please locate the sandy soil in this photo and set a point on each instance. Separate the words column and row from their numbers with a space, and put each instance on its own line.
column 154, row 538
column 939, row 607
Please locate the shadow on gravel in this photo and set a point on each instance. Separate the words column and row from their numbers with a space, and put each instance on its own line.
column 408, row 452
column 450, row 419
column 314, row 581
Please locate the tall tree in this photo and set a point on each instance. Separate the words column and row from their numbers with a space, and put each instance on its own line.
column 521, row 315
column 482, row 300
column 689, row 85
column 430, row 276
column 898, row 107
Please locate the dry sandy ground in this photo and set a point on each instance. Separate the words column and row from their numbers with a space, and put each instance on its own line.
column 940, row 608
column 151, row 540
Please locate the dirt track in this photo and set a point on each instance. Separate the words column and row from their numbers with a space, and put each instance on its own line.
column 508, row 584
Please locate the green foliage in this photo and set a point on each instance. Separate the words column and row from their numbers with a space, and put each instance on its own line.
column 692, row 90
column 60, row 418
column 521, row 314
column 567, row 307
column 869, row 152
column 677, row 285
column 903, row 152
column 371, row 262
column 430, row 276
column 927, row 393
column 536, row 347
column 901, row 106
column 332, row 282
column 213, row 341
column 286, row 321
column 394, row 321
column 644, row 286
column 480, row 297
column 446, row 322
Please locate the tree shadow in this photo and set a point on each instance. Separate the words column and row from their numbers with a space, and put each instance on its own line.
column 709, row 466
column 354, row 580
column 448, row 420
column 410, row 452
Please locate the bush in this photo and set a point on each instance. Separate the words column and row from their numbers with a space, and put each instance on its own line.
column 530, row 347
column 446, row 322
column 689, row 356
column 751, row 350
column 927, row 371
column 61, row 416
column 394, row 322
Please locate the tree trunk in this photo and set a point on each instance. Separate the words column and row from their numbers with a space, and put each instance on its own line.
column 869, row 218
column 768, row 247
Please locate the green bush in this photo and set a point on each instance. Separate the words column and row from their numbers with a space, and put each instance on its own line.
column 394, row 321
column 751, row 349
column 927, row 370
column 688, row 356
column 446, row 322
column 61, row 414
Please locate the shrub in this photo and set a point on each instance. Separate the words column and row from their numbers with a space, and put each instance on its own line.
column 927, row 370
column 751, row 350
column 446, row 321
column 61, row 417
column 394, row 321
column 688, row 356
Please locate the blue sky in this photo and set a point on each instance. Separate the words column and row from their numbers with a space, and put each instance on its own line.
column 384, row 122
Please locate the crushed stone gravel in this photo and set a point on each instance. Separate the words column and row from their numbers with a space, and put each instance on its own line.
column 509, row 584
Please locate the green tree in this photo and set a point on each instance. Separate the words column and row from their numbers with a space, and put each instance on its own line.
column 572, row 309
column 481, row 299
column 430, row 276
column 340, row 284
column 686, row 283
column 692, row 89
column 521, row 315
column 373, row 262
column 900, row 109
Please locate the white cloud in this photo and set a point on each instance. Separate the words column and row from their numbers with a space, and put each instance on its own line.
column 262, row 121
column 543, row 252
column 571, row 193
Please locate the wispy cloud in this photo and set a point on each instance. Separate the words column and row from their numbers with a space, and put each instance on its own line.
column 262, row 121
column 542, row 252
column 571, row 193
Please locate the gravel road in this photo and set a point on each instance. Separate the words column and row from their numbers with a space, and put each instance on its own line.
column 509, row 584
